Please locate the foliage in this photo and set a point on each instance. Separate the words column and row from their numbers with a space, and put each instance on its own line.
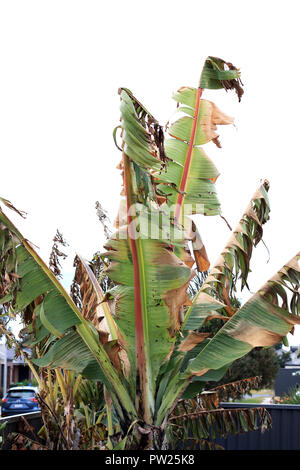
column 258, row 362
column 72, row 411
column 197, row 421
column 290, row 398
column 283, row 358
column 2, row 429
column 117, row 364
column 25, row 383
column 205, row 426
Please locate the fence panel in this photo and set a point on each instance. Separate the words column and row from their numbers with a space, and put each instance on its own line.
column 286, row 378
column 284, row 434
column 16, row 424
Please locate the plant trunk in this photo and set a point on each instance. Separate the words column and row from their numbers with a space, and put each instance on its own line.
column 147, row 437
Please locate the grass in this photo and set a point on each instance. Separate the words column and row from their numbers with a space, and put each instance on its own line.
column 267, row 392
column 251, row 400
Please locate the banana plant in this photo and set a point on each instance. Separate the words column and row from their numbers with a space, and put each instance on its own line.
column 142, row 339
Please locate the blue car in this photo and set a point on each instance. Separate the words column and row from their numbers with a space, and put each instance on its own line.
column 19, row 400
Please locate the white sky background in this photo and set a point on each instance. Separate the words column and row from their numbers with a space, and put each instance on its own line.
column 62, row 63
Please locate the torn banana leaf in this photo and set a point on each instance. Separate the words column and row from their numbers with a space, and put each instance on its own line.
column 188, row 180
column 217, row 73
column 237, row 388
column 163, row 286
column 92, row 298
column 153, row 280
column 220, row 422
column 191, row 170
column 263, row 320
column 205, row 308
column 37, row 292
column 233, row 263
column 142, row 135
column 192, row 340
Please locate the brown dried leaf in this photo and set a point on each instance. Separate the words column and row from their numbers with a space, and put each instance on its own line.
column 216, row 117
column 54, row 262
column 12, row 207
column 255, row 335
column 192, row 340
column 113, row 348
column 218, row 280
column 238, row 387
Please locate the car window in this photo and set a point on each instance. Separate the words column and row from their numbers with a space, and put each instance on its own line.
column 20, row 393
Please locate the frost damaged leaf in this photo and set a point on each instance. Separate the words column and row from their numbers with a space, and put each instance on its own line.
column 188, row 180
column 201, row 258
column 176, row 298
column 165, row 281
column 113, row 349
column 87, row 300
column 208, row 118
column 198, row 248
column 221, row 422
column 79, row 348
column 237, row 388
column 233, row 263
column 217, row 73
column 56, row 254
column 92, row 300
column 141, row 133
column 204, row 308
column 254, row 335
column 103, row 218
column 264, row 320
column 192, row 340
column 12, row 207
column 210, row 399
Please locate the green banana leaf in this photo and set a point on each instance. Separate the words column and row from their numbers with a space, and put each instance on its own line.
column 262, row 321
column 191, row 170
column 188, row 180
column 217, row 73
column 139, row 143
column 215, row 295
column 163, row 284
column 152, row 280
column 35, row 290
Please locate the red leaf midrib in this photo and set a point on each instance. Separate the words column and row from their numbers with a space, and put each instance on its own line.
column 141, row 362
column 188, row 158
